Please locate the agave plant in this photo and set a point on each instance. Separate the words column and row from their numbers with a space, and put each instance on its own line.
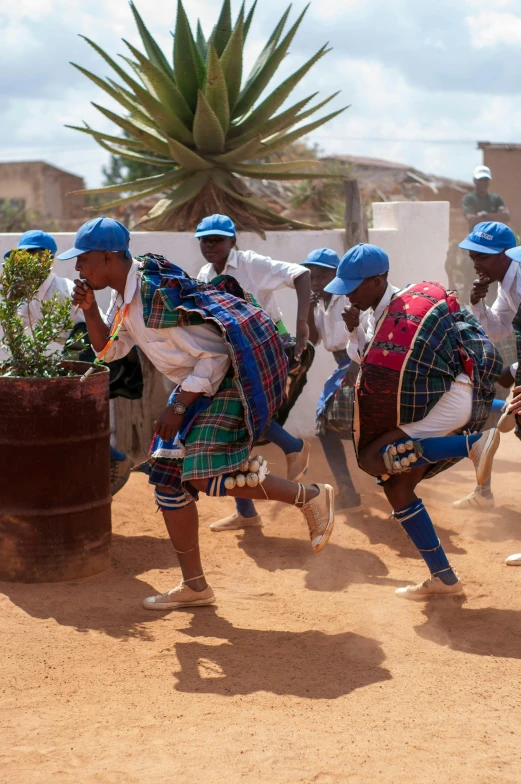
column 205, row 125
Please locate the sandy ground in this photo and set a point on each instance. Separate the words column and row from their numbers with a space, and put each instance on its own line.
column 308, row 669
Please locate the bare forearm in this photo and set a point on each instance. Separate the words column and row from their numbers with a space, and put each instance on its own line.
column 303, row 289
column 98, row 330
column 313, row 331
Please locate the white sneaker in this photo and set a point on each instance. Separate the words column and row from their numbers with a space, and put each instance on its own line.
column 482, row 454
column 180, row 596
column 236, row 521
column 474, row 500
column 297, row 463
column 431, row 587
column 513, row 560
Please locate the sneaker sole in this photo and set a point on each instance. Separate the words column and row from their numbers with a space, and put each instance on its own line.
column 122, row 482
column 234, row 528
column 484, row 468
column 507, row 423
column 331, row 522
column 304, row 470
column 411, row 597
column 178, row 605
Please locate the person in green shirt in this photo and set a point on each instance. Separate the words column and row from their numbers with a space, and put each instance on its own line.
column 480, row 205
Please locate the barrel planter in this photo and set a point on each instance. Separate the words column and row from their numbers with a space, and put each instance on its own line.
column 54, row 476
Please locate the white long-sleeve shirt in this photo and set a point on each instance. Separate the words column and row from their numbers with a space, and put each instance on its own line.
column 497, row 320
column 194, row 357
column 52, row 286
column 359, row 337
column 329, row 323
column 260, row 275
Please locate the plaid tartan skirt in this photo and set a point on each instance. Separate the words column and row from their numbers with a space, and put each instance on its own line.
column 217, row 443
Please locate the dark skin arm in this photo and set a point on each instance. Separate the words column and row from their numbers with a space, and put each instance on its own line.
column 313, row 331
column 168, row 422
column 479, row 290
column 303, row 289
column 83, row 297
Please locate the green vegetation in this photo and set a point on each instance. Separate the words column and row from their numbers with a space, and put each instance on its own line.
column 28, row 351
column 203, row 126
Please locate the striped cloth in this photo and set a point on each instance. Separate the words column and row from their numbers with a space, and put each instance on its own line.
column 423, row 341
column 171, row 298
column 517, row 332
column 219, row 435
column 335, row 404
column 217, row 443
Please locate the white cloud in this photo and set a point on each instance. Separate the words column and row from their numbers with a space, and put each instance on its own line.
column 494, row 28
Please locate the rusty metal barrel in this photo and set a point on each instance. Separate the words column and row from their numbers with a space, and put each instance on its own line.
column 54, row 476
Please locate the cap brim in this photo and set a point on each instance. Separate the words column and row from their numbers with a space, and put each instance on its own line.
column 317, row 264
column 468, row 245
column 514, row 253
column 213, row 232
column 339, row 286
column 70, row 254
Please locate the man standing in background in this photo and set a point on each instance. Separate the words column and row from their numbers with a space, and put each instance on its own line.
column 480, row 205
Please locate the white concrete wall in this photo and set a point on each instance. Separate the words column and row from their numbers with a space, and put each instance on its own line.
column 414, row 234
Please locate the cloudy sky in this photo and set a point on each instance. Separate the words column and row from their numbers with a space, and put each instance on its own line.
column 425, row 78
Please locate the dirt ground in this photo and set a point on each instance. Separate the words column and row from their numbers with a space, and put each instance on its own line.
column 308, row 669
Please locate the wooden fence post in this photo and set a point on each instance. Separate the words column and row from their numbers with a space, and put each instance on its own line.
column 135, row 418
column 355, row 219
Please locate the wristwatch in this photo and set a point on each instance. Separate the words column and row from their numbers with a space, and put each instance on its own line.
column 179, row 408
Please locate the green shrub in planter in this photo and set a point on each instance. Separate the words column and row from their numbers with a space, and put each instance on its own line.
column 29, row 352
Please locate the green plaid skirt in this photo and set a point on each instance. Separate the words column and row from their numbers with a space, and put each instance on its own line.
column 217, row 443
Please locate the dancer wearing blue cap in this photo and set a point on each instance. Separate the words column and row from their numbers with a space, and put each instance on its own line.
column 335, row 406
column 227, row 361
column 489, row 245
column 427, row 375
column 262, row 276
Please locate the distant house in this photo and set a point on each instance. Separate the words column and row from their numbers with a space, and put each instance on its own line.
column 504, row 161
column 44, row 191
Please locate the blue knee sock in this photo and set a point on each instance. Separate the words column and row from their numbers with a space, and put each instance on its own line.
column 283, row 439
column 416, row 522
column 115, row 455
column 431, row 450
column 245, row 507
column 336, row 460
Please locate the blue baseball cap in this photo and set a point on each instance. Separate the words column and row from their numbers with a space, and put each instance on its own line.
column 322, row 257
column 99, row 234
column 34, row 240
column 490, row 237
column 216, row 224
column 361, row 262
column 514, row 254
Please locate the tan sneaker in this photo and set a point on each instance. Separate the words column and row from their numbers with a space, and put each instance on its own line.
column 482, row 454
column 431, row 587
column 474, row 500
column 119, row 474
column 180, row 596
column 513, row 560
column 298, row 462
column 320, row 517
column 236, row 521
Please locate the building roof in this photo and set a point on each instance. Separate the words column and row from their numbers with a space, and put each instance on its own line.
column 40, row 163
column 498, row 146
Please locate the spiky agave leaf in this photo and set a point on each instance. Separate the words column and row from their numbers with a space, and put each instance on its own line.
column 201, row 121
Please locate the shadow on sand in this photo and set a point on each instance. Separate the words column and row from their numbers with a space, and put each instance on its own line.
column 109, row 602
column 483, row 632
column 307, row 664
